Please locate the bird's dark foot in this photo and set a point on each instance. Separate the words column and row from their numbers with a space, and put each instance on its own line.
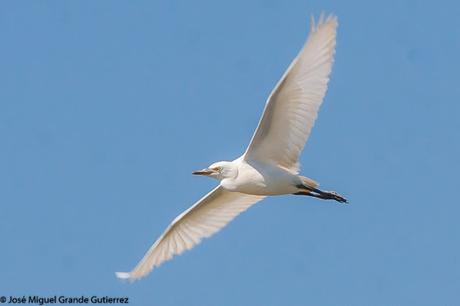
column 325, row 195
column 334, row 196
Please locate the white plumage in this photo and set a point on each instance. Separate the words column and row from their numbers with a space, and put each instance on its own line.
column 270, row 164
column 293, row 104
column 204, row 218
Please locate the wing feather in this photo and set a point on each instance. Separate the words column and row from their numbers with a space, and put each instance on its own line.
column 203, row 219
column 292, row 106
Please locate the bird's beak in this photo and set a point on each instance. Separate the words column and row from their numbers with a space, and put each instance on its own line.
column 205, row 171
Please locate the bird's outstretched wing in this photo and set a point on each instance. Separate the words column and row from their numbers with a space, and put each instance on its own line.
column 203, row 219
column 292, row 106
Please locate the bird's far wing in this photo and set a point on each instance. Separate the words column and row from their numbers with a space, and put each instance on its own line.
column 203, row 219
column 292, row 106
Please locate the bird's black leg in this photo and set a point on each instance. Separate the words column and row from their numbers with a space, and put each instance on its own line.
column 325, row 195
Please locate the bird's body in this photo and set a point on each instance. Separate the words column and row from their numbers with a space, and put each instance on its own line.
column 258, row 178
column 269, row 165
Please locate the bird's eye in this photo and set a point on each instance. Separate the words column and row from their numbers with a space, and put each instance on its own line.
column 217, row 169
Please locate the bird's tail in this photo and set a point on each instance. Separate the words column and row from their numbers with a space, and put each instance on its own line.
column 308, row 182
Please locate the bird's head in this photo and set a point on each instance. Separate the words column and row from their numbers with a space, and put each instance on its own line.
column 220, row 170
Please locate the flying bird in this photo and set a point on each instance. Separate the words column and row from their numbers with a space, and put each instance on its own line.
column 270, row 164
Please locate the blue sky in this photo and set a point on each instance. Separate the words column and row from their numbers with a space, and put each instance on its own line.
column 107, row 106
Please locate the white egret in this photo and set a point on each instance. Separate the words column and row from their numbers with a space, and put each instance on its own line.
column 270, row 164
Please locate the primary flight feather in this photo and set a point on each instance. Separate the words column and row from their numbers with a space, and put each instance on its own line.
column 270, row 164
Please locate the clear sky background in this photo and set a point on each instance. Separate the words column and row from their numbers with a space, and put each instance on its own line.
column 107, row 106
